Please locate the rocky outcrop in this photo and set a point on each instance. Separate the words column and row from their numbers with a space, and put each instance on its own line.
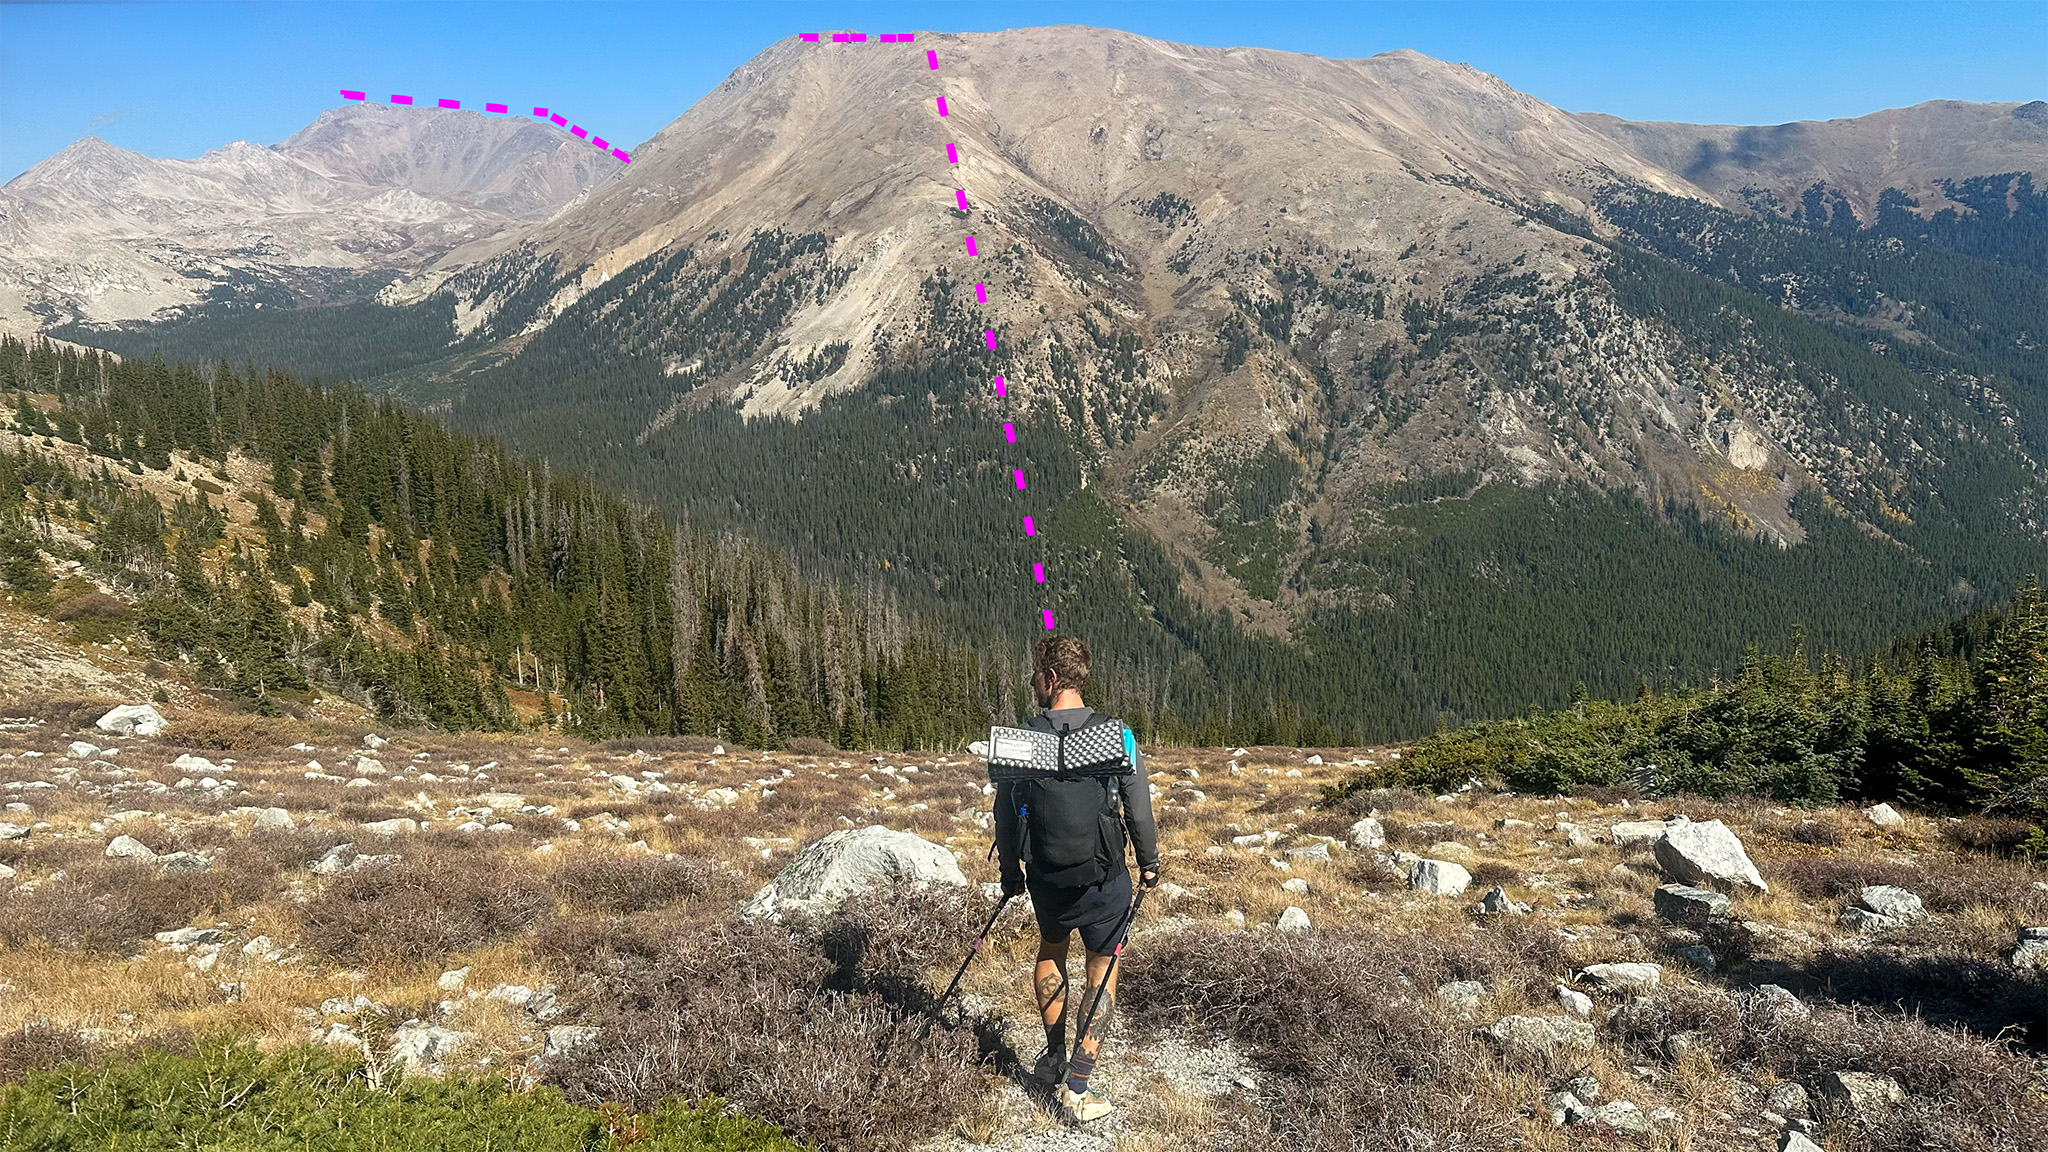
column 132, row 720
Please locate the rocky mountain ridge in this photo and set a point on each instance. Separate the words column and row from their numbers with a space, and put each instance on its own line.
column 103, row 234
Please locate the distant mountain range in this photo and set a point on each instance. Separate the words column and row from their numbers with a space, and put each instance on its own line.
column 1358, row 386
column 99, row 234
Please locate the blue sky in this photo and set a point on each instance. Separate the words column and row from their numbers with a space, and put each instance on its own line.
column 178, row 79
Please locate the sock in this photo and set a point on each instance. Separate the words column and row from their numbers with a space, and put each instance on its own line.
column 1079, row 1069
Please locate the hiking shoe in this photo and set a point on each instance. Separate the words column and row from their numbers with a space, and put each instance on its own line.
column 1051, row 1068
column 1089, row 1105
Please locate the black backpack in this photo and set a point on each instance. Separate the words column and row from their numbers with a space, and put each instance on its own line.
column 1073, row 825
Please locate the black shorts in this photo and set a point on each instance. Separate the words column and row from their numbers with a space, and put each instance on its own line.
column 1096, row 912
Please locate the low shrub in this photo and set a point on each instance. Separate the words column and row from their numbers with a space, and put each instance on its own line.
column 1964, row 1094
column 623, row 884
column 103, row 906
column 36, row 1046
column 1357, row 1054
column 229, row 1095
column 438, row 899
column 761, row 1015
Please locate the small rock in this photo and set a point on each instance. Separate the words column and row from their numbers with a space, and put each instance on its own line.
column 80, row 750
column 1692, row 853
column 393, row 827
column 1864, row 1093
column 1235, row 919
column 1575, row 1002
column 1295, row 885
column 16, row 832
column 275, row 819
column 1586, row 1088
column 1699, row 956
column 369, row 766
column 191, row 936
column 129, row 848
column 453, row 980
column 1439, row 877
column 2032, row 951
column 262, row 948
column 1510, row 824
column 1540, row 1035
column 374, row 741
column 1884, row 816
column 1682, row 904
column 563, row 1039
column 1627, row 979
column 1794, row 1141
column 1292, row 920
column 1624, row 1118
column 184, row 862
column 1368, row 833
column 1316, row 759
column 1573, row 835
column 1496, row 903
column 1777, row 1000
column 194, row 765
column 131, row 720
column 1566, row 1109
column 1171, row 894
column 336, row 859
column 1317, row 853
column 1789, row 1099
column 1461, row 998
column 1895, row 902
column 1631, row 832
column 417, row 1043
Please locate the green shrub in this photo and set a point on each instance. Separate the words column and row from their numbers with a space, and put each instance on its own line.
column 229, row 1096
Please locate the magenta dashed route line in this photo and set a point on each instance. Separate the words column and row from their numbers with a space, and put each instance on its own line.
column 544, row 115
column 988, row 335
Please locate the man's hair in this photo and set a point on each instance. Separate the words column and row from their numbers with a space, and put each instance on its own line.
column 1065, row 657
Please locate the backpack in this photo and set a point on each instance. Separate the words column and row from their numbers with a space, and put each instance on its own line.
column 1073, row 825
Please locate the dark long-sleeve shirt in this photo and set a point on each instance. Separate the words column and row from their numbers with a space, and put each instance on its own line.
column 1135, row 793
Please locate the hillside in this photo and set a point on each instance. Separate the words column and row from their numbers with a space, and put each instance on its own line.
column 416, row 926
column 1482, row 401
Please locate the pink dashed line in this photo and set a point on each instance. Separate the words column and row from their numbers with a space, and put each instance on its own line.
column 580, row 133
column 988, row 335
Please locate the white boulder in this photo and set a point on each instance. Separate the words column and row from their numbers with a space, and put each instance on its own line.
column 1691, row 853
column 1884, row 816
column 1439, row 877
column 852, row 860
column 132, row 720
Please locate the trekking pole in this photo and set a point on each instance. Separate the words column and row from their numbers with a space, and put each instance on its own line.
column 1095, row 1001
column 971, row 952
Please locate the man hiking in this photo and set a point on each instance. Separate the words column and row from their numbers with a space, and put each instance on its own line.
column 1063, row 839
